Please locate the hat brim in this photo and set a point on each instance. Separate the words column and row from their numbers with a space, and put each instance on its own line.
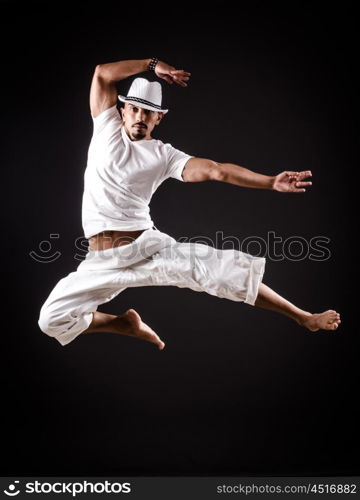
column 146, row 106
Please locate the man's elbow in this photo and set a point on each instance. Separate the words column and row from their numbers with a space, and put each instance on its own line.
column 102, row 72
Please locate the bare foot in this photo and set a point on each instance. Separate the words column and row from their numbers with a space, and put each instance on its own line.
column 328, row 320
column 137, row 328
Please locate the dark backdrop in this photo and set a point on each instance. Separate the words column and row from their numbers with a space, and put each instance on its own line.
column 237, row 390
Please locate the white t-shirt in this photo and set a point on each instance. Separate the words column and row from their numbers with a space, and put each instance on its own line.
column 121, row 176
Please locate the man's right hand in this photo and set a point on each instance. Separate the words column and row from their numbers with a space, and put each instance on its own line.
column 171, row 74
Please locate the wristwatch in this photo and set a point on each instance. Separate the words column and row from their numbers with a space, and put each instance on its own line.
column 153, row 63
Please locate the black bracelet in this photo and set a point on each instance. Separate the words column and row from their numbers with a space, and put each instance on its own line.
column 153, row 63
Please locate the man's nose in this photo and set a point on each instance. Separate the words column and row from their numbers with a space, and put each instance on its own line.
column 141, row 115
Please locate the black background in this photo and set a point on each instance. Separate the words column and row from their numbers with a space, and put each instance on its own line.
column 237, row 390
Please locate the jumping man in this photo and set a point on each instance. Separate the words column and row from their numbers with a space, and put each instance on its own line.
column 125, row 166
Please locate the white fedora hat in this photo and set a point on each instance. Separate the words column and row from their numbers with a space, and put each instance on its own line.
column 145, row 94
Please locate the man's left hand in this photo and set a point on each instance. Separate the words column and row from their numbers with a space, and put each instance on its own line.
column 291, row 182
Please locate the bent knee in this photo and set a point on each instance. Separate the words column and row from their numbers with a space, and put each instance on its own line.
column 54, row 324
column 44, row 321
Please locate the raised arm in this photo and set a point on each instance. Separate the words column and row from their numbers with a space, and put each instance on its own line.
column 103, row 92
column 203, row 169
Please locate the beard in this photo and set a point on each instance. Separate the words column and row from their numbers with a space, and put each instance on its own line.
column 139, row 133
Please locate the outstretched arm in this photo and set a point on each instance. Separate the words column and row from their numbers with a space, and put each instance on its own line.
column 203, row 169
column 103, row 92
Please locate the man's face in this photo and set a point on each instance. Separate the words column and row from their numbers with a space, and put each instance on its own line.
column 139, row 122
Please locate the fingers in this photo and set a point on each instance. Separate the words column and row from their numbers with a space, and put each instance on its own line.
column 180, row 71
column 292, row 175
column 168, row 79
column 301, row 184
column 180, row 82
column 304, row 174
column 299, row 175
column 171, row 79
column 179, row 75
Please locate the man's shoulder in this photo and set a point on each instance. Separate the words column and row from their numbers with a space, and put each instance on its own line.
column 164, row 145
column 158, row 143
column 166, row 149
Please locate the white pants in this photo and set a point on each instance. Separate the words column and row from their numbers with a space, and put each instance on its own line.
column 153, row 259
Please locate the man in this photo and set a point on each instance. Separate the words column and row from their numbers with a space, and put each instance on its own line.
column 125, row 166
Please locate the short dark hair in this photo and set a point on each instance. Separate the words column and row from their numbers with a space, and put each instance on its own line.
column 131, row 104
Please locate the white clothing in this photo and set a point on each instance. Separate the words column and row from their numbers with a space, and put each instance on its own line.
column 152, row 259
column 122, row 175
column 120, row 178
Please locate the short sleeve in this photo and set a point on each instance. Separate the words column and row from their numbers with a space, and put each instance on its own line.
column 106, row 117
column 176, row 161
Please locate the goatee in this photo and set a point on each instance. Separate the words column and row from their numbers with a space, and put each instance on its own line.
column 139, row 134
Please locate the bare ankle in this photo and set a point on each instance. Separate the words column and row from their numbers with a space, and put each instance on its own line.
column 302, row 317
column 101, row 322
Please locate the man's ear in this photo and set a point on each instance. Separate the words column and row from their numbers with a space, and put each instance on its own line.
column 160, row 116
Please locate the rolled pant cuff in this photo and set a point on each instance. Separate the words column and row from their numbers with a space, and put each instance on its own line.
column 257, row 269
column 73, row 332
